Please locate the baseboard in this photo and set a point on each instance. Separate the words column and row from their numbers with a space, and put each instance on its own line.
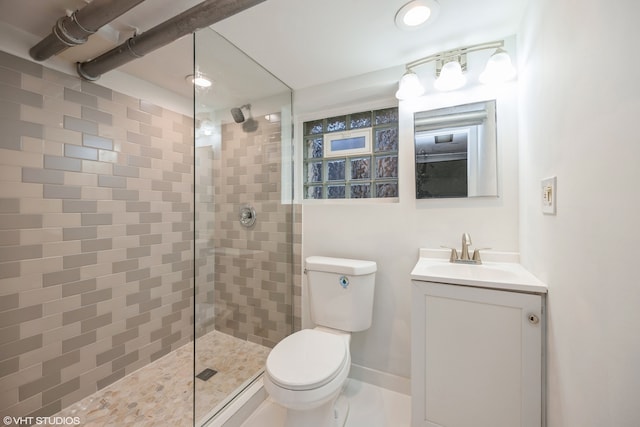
column 381, row 379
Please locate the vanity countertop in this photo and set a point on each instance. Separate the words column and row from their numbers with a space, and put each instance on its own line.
column 499, row 270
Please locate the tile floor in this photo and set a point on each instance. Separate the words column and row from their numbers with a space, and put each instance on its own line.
column 369, row 406
column 160, row 394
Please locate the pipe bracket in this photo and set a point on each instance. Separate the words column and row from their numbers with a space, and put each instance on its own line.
column 130, row 48
column 76, row 36
column 83, row 74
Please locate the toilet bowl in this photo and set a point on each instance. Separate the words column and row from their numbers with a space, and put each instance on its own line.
column 305, row 373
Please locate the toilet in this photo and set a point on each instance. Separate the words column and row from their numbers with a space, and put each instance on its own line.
column 305, row 372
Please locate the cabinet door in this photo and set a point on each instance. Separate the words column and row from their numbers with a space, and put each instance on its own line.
column 478, row 357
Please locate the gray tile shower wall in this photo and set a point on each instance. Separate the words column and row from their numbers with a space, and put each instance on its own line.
column 255, row 272
column 204, row 243
column 96, row 202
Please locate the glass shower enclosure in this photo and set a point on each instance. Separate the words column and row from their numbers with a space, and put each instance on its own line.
column 244, row 221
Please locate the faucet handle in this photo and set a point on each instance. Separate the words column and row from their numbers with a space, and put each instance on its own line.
column 476, row 254
column 454, row 253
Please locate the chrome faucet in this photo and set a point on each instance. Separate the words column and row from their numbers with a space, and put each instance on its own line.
column 464, row 257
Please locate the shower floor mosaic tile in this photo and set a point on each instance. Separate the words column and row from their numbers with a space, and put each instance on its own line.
column 161, row 393
column 235, row 360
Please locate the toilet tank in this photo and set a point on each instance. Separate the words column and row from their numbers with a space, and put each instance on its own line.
column 341, row 292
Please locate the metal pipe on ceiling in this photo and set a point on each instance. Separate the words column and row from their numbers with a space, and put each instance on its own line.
column 202, row 15
column 76, row 28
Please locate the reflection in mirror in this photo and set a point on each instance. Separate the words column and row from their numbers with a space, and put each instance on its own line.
column 456, row 152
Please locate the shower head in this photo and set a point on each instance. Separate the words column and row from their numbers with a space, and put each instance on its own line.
column 238, row 117
column 237, row 114
column 250, row 125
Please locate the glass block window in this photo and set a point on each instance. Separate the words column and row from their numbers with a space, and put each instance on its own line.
column 314, row 172
column 335, row 192
column 335, row 124
column 387, row 167
column 353, row 174
column 335, row 170
column 360, row 168
column 386, row 139
column 314, row 147
column 360, row 120
column 313, row 128
column 360, row 191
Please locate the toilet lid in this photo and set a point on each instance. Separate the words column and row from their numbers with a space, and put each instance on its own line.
column 307, row 359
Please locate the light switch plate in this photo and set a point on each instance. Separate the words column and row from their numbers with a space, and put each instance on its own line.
column 548, row 195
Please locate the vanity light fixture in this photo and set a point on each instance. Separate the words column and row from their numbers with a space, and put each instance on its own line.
column 450, row 68
column 451, row 77
column 416, row 13
column 499, row 68
column 409, row 86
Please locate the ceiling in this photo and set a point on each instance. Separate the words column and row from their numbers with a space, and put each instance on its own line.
column 303, row 43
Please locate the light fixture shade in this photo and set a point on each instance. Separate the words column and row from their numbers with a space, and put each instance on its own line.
column 499, row 68
column 451, row 77
column 409, row 86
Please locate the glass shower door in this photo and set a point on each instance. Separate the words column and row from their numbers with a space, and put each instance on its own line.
column 244, row 221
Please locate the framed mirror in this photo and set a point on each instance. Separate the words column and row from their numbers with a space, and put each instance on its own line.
column 456, row 151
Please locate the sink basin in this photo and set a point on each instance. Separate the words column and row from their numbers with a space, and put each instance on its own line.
column 482, row 272
column 507, row 275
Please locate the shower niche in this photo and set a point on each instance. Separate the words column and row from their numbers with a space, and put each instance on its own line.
column 244, row 269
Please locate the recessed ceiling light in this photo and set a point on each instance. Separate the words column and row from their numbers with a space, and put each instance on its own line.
column 416, row 16
column 416, row 13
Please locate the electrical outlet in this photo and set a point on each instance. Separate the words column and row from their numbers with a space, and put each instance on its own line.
column 548, row 188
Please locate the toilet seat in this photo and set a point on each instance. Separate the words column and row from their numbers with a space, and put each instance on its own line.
column 307, row 359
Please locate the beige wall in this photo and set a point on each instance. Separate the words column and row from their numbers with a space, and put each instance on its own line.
column 95, row 236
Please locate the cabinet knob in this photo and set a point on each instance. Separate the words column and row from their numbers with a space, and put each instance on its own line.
column 533, row 319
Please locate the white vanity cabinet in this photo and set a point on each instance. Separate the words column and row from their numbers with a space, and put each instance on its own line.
column 477, row 356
